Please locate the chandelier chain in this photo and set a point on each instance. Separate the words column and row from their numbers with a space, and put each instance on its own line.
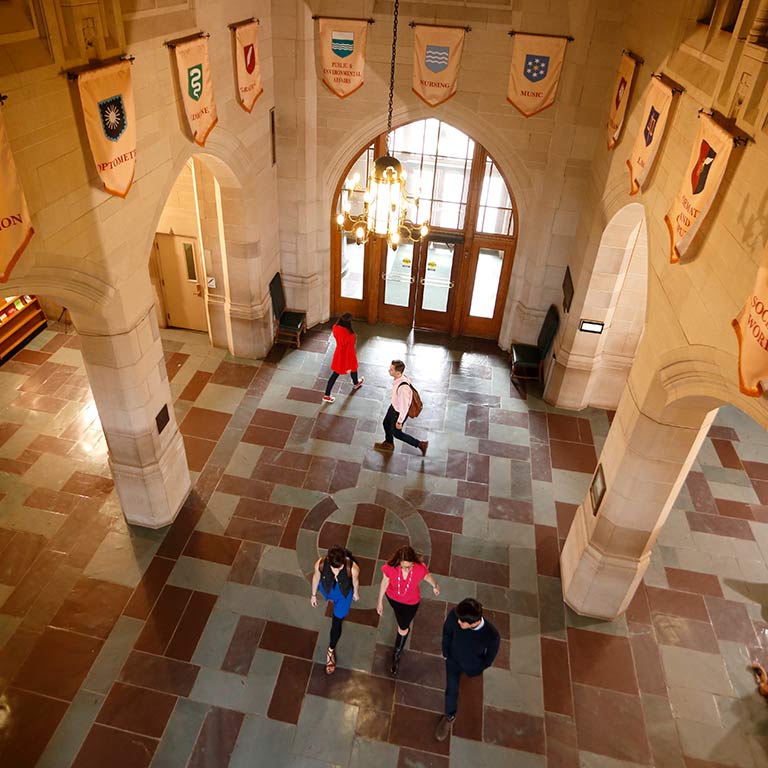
column 392, row 70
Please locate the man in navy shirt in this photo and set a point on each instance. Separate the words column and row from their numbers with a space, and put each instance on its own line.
column 470, row 644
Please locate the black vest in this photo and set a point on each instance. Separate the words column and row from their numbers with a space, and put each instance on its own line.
column 344, row 578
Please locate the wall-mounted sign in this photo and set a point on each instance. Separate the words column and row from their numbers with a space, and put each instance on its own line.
column 597, row 489
column 591, row 326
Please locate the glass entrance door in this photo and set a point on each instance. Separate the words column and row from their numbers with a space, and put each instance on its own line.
column 488, row 271
column 417, row 284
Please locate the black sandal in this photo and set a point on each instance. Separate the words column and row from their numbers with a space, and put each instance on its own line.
column 330, row 661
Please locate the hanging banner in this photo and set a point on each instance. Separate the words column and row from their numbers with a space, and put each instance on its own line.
column 342, row 54
column 653, row 122
column 704, row 172
column 436, row 60
column 15, row 223
column 249, row 86
column 110, row 122
column 197, row 87
column 535, row 72
column 620, row 98
column 751, row 326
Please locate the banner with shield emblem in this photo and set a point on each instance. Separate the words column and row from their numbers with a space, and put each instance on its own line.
column 15, row 223
column 704, row 172
column 620, row 98
column 342, row 54
column 107, row 97
column 196, row 87
column 249, row 86
column 535, row 72
column 436, row 60
column 652, row 125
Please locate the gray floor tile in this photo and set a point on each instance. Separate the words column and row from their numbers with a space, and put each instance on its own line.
column 269, row 739
column 113, row 654
column 200, row 575
column 479, row 755
column 73, row 728
column 513, row 691
column 694, row 669
column 180, row 734
column 326, row 730
column 373, row 754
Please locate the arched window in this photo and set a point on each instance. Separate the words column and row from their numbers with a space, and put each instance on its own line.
column 457, row 279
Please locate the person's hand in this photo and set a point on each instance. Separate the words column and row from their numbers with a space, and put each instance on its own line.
column 436, row 590
column 313, row 601
column 379, row 609
column 355, row 596
column 399, row 425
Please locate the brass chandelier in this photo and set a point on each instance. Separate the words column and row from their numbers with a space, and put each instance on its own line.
column 385, row 202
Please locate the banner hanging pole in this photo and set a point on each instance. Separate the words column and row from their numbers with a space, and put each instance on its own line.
column 413, row 24
column 514, row 32
column 179, row 40
column 343, row 18
column 236, row 24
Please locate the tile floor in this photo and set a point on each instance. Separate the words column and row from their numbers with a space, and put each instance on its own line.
column 196, row 645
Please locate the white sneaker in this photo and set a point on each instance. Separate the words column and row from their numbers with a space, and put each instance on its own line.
column 329, row 399
column 359, row 384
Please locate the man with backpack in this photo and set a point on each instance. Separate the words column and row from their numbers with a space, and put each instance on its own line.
column 405, row 402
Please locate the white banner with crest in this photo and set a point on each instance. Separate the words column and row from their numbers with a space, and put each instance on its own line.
column 249, row 86
column 342, row 54
column 653, row 122
column 751, row 326
column 15, row 223
column 620, row 98
column 197, row 87
column 436, row 60
column 704, row 172
column 110, row 122
column 535, row 72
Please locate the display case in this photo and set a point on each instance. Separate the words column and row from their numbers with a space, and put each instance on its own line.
column 21, row 317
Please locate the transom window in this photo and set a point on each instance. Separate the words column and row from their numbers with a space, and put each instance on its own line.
column 438, row 160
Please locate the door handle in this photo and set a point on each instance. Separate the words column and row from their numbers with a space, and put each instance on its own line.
column 439, row 283
column 198, row 290
column 397, row 278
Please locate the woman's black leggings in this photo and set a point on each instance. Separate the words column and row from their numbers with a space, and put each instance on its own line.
column 335, row 631
column 335, row 376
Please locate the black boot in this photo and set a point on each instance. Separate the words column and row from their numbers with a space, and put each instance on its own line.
column 399, row 645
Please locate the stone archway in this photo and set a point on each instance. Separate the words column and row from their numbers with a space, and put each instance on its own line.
column 591, row 369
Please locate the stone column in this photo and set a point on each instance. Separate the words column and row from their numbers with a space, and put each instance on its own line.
column 645, row 460
column 126, row 371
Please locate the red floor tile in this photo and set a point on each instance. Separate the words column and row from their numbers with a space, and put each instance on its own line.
column 57, row 664
column 198, row 451
column 337, row 429
column 650, row 672
column 217, row 738
column 547, row 551
column 480, row 570
column 556, row 677
column 333, row 534
column 48, row 444
column 353, row 687
column 293, row 641
column 246, row 562
column 514, row 730
column 677, row 603
column 115, row 748
column 727, row 454
column 138, row 710
column 626, row 737
column 562, row 427
column 273, row 420
column 288, row 695
column 469, row 721
column 685, row 633
column 369, row 516
column 254, row 530
column 191, row 625
column 418, row 696
column 562, row 741
column 84, row 484
column 731, row 621
column 212, row 547
column 162, row 621
column 700, row 493
column 19, row 555
column 243, row 645
column 601, row 660
column 30, row 721
column 415, row 728
column 149, row 588
column 34, row 582
column 440, row 559
column 737, row 509
column 574, row 457
column 92, row 608
column 690, row 581
column 504, row 450
column 474, row 491
column 159, row 673
column 203, row 422
column 53, row 501
column 195, row 386
column 234, row 375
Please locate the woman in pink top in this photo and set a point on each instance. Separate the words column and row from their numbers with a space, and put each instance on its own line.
column 402, row 575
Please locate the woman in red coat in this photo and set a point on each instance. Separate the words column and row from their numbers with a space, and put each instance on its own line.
column 344, row 356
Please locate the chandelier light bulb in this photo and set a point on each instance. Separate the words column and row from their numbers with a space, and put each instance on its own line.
column 424, row 231
column 395, row 238
column 340, row 219
column 359, row 233
column 367, row 197
column 355, row 179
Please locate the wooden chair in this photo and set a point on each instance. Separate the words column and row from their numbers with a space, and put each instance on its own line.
column 527, row 360
column 289, row 323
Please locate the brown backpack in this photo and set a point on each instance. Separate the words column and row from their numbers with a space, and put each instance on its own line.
column 416, row 406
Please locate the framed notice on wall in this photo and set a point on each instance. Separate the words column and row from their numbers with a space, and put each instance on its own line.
column 597, row 489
